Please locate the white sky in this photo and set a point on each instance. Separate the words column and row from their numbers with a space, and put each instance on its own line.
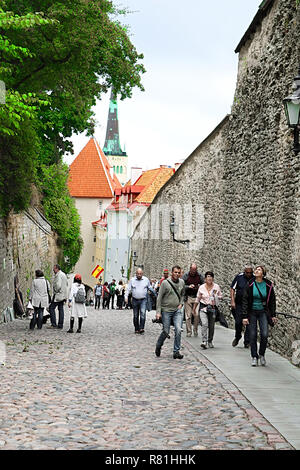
column 191, row 71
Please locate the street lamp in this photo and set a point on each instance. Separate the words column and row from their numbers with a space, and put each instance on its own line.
column 122, row 270
column 134, row 258
column 292, row 111
column 173, row 228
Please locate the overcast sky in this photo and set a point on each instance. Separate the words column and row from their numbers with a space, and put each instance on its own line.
column 190, row 80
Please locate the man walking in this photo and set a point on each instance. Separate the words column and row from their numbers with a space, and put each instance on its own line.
column 193, row 280
column 98, row 294
column 112, row 287
column 169, row 306
column 138, row 286
column 236, row 294
column 60, row 295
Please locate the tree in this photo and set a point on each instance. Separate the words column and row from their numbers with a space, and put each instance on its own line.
column 56, row 59
column 71, row 54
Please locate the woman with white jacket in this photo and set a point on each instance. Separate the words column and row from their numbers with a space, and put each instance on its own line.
column 39, row 297
column 77, row 299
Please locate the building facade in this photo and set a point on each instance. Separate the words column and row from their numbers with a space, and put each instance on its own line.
column 92, row 185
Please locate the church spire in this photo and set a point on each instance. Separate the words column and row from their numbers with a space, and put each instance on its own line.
column 112, row 140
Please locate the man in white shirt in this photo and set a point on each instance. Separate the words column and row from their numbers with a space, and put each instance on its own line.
column 138, row 286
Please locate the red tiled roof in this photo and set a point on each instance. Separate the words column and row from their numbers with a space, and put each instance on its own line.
column 89, row 174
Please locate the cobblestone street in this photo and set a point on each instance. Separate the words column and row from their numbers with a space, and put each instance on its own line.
column 106, row 389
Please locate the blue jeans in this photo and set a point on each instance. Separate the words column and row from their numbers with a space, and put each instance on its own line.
column 139, row 313
column 259, row 316
column 61, row 314
column 177, row 320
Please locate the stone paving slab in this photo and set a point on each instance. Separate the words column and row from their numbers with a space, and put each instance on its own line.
column 106, row 389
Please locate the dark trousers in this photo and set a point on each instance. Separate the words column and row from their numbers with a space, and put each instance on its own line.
column 260, row 317
column 112, row 297
column 239, row 325
column 61, row 314
column 105, row 302
column 37, row 318
column 97, row 301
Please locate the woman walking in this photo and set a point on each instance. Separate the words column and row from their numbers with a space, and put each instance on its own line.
column 39, row 297
column 77, row 299
column 259, row 307
column 208, row 296
column 105, row 296
column 120, row 291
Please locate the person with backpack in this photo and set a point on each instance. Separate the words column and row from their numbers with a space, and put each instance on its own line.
column 77, row 299
column 98, row 294
column 112, row 288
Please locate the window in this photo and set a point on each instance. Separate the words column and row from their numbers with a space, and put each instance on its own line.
column 117, row 169
column 121, row 169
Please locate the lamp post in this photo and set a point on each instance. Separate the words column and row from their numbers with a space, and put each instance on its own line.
column 292, row 111
column 173, row 228
column 122, row 270
column 134, row 258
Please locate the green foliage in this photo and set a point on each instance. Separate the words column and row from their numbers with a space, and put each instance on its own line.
column 56, row 59
column 61, row 212
column 17, row 169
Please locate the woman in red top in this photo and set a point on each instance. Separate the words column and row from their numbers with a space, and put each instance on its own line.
column 105, row 296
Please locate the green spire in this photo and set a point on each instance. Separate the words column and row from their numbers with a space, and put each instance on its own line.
column 112, row 140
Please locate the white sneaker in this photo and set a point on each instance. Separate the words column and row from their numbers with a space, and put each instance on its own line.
column 204, row 345
column 254, row 361
column 210, row 345
column 262, row 360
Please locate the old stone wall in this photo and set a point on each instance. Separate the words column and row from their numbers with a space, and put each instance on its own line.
column 27, row 243
column 247, row 178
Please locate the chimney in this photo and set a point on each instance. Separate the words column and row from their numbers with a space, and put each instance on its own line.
column 135, row 174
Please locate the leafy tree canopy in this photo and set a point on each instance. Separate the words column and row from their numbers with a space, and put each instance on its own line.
column 56, row 59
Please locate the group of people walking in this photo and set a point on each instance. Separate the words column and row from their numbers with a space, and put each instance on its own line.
column 187, row 295
column 107, row 294
column 45, row 303
column 197, row 297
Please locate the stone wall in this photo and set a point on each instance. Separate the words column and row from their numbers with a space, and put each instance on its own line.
column 27, row 243
column 247, row 177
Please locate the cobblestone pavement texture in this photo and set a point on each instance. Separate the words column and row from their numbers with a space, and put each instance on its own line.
column 105, row 389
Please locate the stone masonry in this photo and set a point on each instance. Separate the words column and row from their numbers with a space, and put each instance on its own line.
column 246, row 176
column 27, row 243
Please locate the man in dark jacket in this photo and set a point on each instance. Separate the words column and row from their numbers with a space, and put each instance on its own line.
column 192, row 279
column 236, row 295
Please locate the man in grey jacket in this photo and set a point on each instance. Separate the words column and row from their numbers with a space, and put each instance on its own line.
column 169, row 306
column 60, row 295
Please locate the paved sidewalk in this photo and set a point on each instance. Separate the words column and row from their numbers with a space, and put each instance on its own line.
column 273, row 390
column 105, row 389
